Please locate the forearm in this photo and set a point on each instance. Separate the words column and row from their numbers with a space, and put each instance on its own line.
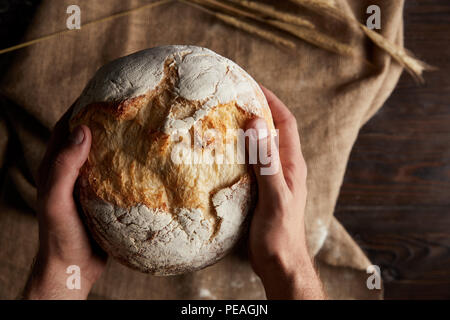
column 48, row 280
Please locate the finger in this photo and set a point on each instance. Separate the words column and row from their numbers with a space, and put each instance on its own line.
column 284, row 120
column 64, row 167
column 263, row 155
column 291, row 156
column 57, row 139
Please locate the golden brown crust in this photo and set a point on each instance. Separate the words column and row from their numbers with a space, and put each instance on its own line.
column 129, row 163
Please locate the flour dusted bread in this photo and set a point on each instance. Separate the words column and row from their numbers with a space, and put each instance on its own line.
column 144, row 208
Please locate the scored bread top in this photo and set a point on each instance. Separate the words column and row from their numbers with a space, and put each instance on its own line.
column 147, row 211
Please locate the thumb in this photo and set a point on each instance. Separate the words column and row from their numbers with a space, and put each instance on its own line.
column 263, row 155
column 64, row 166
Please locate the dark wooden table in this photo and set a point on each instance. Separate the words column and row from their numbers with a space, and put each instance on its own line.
column 395, row 200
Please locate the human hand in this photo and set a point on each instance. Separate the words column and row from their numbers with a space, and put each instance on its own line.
column 63, row 239
column 277, row 241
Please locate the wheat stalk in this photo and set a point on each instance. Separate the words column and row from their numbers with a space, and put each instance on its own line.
column 412, row 65
column 91, row 23
column 274, row 13
column 312, row 36
column 316, row 38
column 321, row 6
column 294, row 25
column 243, row 25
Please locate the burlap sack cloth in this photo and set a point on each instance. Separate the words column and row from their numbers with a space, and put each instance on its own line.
column 331, row 96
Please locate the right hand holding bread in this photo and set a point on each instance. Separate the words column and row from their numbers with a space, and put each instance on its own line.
column 277, row 244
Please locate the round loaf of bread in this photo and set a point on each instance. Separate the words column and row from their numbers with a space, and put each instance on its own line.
column 143, row 205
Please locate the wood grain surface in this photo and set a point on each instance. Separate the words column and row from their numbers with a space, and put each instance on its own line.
column 395, row 200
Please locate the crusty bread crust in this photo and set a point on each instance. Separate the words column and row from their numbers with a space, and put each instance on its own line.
column 148, row 212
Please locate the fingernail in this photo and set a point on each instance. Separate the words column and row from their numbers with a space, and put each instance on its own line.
column 77, row 136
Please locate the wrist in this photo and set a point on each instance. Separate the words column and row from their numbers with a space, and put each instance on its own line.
column 51, row 279
column 292, row 277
